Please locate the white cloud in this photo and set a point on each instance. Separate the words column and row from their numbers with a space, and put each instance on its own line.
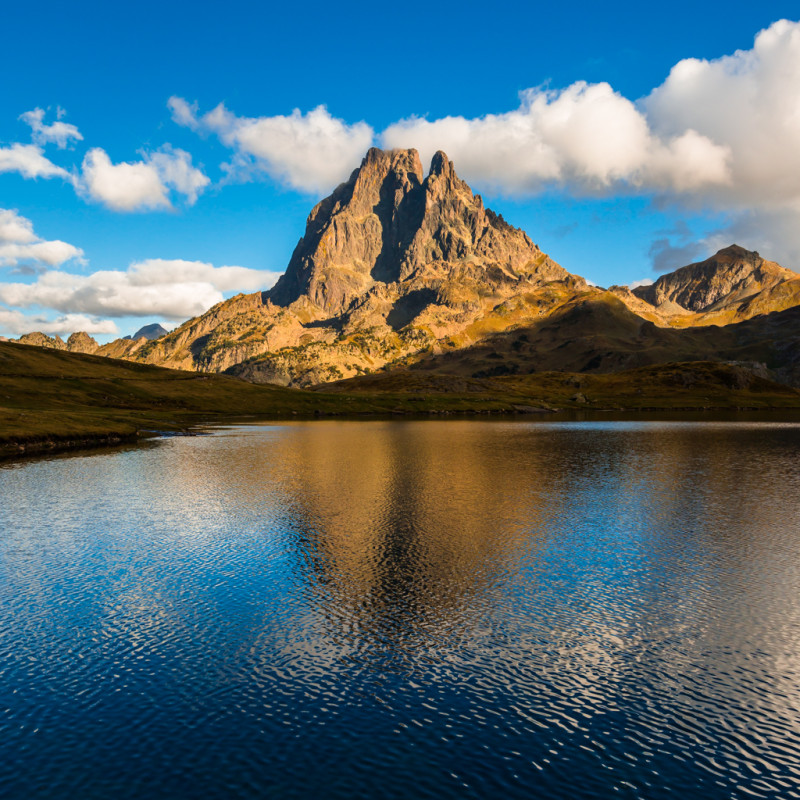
column 311, row 152
column 29, row 160
column 748, row 101
column 175, row 169
column 643, row 282
column 16, row 323
column 721, row 135
column 587, row 137
column 140, row 185
column 19, row 244
column 183, row 113
column 58, row 132
column 174, row 289
column 155, row 271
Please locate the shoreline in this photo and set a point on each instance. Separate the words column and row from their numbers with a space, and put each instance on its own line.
column 21, row 446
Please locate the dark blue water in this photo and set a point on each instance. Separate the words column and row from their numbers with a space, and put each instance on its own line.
column 406, row 609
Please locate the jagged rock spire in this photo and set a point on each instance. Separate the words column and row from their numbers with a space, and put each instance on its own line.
column 388, row 222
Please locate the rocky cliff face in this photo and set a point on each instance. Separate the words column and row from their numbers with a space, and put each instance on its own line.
column 82, row 343
column 389, row 223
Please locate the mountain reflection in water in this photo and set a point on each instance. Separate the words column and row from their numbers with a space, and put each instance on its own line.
column 407, row 608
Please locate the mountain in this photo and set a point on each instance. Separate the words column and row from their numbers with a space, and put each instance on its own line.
column 731, row 286
column 81, row 342
column 394, row 263
column 398, row 269
column 149, row 332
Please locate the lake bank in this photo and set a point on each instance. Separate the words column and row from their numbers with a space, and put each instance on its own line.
column 51, row 400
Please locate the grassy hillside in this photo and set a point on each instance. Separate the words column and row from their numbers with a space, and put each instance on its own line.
column 600, row 334
column 68, row 397
column 689, row 386
column 53, row 398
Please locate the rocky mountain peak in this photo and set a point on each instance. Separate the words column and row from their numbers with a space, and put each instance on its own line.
column 81, row 342
column 38, row 339
column 730, row 275
column 388, row 222
column 149, row 332
column 441, row 165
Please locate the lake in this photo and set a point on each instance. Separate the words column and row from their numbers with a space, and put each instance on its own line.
column 426, row 609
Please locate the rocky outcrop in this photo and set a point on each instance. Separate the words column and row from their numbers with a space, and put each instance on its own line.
column 43, row 340
column 82, row 343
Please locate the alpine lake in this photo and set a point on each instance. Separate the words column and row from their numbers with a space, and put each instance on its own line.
column 406, row 609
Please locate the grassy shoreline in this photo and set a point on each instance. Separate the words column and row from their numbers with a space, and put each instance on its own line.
column 51, row 400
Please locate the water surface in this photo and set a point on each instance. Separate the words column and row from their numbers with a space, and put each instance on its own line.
column 406, row 609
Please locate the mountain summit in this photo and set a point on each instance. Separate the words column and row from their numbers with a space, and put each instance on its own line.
column 389, row 223
column 729, row 277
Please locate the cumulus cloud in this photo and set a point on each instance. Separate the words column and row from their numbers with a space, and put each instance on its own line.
column 155, row 271
column 722, row 133
column 141, row 185
column 20, row 245
column 30, row 162
column 174, row 289
column 17, row 324
column 311, row 152
column 748, row 101
column 587, row 137
column 58, row 132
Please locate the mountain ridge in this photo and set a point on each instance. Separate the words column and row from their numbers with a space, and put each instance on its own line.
column 397, row 267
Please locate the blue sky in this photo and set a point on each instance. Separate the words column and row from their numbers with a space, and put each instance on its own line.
column 564, row 116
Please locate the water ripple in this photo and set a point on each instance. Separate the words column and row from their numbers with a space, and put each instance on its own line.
column 426, row 609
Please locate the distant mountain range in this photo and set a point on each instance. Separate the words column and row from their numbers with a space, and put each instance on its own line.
column 81, row 342
column 402, row 271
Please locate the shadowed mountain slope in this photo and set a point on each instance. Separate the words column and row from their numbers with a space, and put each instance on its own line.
column 597, row 333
